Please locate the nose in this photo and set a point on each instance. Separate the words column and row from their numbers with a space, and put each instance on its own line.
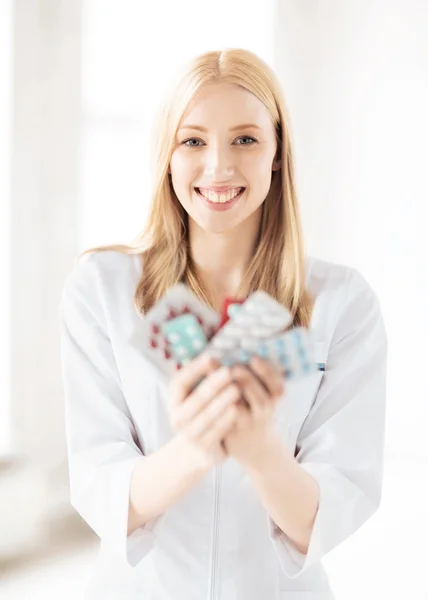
column 218, row 163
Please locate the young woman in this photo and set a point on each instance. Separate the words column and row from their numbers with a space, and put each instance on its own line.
column 194, row 493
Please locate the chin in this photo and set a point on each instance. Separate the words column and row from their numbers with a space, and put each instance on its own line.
column 219, row 226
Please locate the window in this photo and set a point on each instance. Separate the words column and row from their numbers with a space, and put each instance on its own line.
column 130, row 50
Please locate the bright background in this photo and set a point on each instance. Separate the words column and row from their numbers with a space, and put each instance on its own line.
column 79, row 84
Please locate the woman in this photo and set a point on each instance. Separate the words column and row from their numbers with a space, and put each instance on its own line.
column 194, row 493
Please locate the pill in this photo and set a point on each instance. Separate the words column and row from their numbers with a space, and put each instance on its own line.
column 225, row 343
column 278, row 321
column 174, row 337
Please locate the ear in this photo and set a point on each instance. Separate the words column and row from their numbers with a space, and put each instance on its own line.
column 276, row 164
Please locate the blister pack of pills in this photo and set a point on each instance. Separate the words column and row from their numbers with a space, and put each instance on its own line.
column 258, row 328
column 177, row 329
column 180, row 327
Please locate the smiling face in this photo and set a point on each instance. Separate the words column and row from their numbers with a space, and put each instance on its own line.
column 224, row 154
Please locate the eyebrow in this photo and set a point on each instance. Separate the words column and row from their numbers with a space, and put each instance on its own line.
column 244, row 126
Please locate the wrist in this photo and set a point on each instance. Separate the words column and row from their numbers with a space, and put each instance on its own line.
column 269, row 450
column 190, row 455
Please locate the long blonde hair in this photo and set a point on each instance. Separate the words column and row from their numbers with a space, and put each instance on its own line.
column 278, row 264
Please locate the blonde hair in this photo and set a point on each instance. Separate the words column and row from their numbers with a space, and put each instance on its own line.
column 278, row 265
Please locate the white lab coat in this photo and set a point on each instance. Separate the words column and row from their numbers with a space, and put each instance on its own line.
column 218, row 542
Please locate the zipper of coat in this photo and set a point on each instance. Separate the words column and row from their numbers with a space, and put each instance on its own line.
column 213, row 593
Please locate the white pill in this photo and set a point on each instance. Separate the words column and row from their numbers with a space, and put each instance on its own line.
column 265, row 304
column 249, row 344
column 234, row 330
column 260, row 300
column 191, row 330
column 174, row 337
column 253, row 307
column 276, row 320
column 226, row 343
column 182, row 351
column 243, row 319
column 261, row 331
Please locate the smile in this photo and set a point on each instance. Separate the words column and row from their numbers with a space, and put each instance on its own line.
column 220, row 198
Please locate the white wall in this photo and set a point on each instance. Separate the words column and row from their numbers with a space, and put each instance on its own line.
column 5, row 147
column 43, row 228
column 355, row 76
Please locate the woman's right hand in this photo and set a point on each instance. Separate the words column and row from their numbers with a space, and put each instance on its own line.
column 203, row 415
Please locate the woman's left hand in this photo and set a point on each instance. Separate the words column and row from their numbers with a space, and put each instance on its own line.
column 262, row 386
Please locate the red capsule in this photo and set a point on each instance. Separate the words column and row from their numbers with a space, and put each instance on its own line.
column 167, row 354
column 155, row 329
column 153, row 343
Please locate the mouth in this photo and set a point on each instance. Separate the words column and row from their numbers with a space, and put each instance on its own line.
column 224, row 197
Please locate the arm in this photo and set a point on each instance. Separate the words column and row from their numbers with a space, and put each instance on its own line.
column 112, row 483
column 341, row 443
column 167, row 474
column 292, row 499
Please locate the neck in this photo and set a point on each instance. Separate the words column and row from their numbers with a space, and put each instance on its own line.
column 221, row 259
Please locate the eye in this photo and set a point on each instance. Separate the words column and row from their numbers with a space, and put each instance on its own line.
column 186, row 143
column 196, row 143
column 246, row 137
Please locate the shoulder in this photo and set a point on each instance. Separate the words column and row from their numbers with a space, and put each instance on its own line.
column 339, row 290
column 104, row 265
column 101, row 273
column 335, row 278
column 325, row 276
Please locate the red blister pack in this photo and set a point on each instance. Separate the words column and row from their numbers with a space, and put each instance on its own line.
column 176, row 302
column 224, row 313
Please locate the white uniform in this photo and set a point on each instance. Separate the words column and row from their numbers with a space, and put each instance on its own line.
column 218, row 542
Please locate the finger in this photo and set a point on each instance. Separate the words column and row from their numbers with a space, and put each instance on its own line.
column 208, row 389
column 221, row 427
column 252, row 389
column 214, row 364
column 207, row 418
column 271, row 377
column 186, row 379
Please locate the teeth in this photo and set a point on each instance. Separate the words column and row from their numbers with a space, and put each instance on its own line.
column 220, row 198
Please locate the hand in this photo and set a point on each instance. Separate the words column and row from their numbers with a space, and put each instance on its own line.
column 202, row 414
column 262, row 386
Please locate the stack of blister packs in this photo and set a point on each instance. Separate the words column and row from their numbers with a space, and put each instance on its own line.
column 180, row 327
